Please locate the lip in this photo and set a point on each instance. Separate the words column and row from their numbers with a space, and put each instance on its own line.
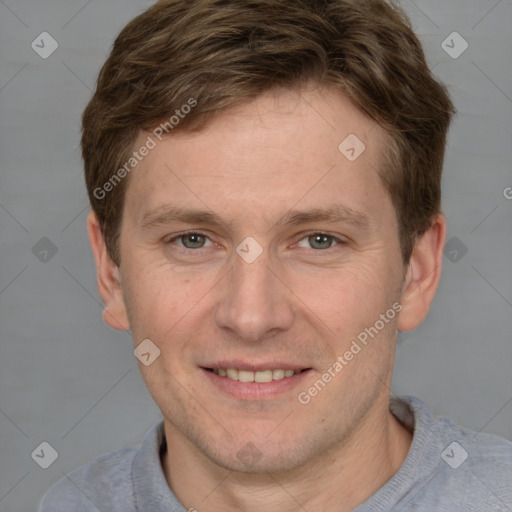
column 255, row 390
column 255, row 367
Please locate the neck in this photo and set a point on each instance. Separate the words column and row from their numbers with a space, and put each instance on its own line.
column 338, row 480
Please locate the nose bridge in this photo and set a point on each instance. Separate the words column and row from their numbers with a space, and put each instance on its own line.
column 253, row 302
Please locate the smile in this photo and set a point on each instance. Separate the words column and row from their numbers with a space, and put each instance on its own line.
column 256, row 380
column 250, row 376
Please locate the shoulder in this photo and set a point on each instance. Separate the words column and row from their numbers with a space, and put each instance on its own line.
column 461, row 446
column 471, row 471
column 103, row 484
column 487, row 455
column 475, row 469
column 481, row 448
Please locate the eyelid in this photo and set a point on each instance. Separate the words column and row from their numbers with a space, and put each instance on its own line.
column 339, row 241
column 190, row 232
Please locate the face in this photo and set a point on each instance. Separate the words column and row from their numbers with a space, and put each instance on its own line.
column 256, row 245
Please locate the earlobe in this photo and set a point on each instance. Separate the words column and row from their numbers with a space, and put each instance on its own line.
column 114, row 320
column 423, row 275
column 108, row 278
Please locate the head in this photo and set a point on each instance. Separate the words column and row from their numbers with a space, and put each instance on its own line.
column 227, row 120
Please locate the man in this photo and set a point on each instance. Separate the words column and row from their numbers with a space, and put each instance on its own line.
column 264, row 179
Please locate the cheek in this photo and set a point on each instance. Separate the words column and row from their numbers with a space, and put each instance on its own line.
column 364, row 280
column 156, row 300
column 169, row 305
column 347, row 299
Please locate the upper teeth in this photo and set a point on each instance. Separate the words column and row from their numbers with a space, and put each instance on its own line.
column 248, row 376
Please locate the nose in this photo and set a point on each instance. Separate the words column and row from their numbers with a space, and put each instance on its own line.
column 254, row 303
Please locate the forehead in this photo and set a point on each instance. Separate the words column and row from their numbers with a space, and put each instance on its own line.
column 308, row 149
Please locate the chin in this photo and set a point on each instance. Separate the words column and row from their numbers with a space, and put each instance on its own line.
column 261, row 456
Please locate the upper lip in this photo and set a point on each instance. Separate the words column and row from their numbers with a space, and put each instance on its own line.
column 255, row 367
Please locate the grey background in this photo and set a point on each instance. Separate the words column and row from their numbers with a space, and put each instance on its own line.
column 68, row 379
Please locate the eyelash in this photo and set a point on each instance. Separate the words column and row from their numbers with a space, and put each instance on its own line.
column 305, row 236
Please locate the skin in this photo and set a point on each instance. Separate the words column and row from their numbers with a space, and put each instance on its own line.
column 296, row 302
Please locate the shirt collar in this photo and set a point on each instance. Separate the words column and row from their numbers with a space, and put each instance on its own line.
column 151, row 490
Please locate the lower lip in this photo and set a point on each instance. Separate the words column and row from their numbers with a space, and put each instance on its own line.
column 255, row 390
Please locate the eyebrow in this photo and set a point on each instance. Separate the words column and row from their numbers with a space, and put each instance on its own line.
column 167, row 214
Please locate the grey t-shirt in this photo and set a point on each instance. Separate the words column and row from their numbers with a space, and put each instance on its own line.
column 448, row 469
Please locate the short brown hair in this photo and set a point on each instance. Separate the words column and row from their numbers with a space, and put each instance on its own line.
column 223, row 52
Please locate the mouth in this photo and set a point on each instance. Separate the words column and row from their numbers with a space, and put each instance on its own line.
column 255, row 384
column 261, row 376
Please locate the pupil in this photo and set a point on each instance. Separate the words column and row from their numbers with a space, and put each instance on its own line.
column 321, row 241
column 193, row 240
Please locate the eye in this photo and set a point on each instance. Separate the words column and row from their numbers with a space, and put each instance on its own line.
column 191, row 240
column 319, row 241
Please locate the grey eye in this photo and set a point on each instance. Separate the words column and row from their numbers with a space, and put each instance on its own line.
column 193, row 240
column 320, row 241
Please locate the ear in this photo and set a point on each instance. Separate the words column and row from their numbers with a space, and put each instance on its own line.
column 108, row 277
column 423, row 275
